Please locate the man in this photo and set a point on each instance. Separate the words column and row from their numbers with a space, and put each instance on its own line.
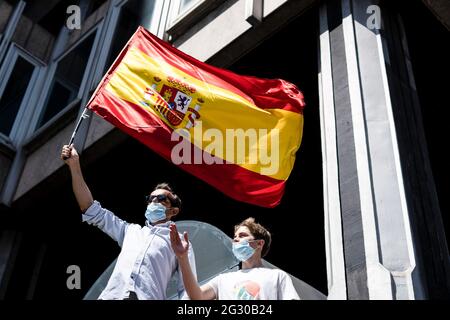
column 146, row 262
column 253, row 282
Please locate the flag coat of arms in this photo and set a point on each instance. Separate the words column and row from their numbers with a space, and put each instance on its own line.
column 238, row 133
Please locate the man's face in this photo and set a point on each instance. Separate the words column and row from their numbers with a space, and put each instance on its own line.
column 162, row 196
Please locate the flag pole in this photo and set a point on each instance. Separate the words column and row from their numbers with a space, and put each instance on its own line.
column 84, row 115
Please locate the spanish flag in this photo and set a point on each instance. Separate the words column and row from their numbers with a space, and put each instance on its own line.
column 237, row 133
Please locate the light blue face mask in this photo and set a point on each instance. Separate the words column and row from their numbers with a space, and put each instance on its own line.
column 242, row 250
column 155, row 212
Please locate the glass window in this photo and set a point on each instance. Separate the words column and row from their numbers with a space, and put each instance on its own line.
column 6, row 10
column 67, row 80
column 185, row 5
column 93, row 5
column 13, row 94
column 132, row 14
column 51, row 16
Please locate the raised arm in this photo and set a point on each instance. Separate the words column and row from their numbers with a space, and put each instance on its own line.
column 79, row 186
column 181, row 248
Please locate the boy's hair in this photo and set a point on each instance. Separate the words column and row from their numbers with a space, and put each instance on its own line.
column 258, row 232
column 175, row 200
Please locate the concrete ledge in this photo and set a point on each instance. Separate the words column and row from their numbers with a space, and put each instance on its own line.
column 42, row 150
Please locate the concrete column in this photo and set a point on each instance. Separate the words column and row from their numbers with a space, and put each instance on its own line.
column 337, row 288
column 376, row 239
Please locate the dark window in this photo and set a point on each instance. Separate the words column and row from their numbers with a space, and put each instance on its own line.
column 51, row 16
column 67, row 80
column 6, row 10
column 93, row 6
column 13, row 2
column 127, row 24
column 13, row 94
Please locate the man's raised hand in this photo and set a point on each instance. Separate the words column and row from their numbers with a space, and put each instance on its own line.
column 179, row 246
column 69, row 155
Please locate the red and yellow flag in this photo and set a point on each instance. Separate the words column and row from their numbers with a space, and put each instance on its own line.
column 237, row 133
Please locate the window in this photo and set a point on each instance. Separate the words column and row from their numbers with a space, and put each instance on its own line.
column 184, row 14
column 93, row 5
column 6, row 10
column 13, row 94
column 132, row 14
column 67, row 80
column 185, row 5
column 51, row 16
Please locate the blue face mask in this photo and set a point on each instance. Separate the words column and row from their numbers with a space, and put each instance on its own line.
column 242, row 250
column 155, row 212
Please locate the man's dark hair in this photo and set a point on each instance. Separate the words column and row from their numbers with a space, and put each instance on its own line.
column 163, row 185
column 174, row 200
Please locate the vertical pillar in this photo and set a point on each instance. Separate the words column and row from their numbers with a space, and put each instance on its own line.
column 377, row 243
column 337, row 288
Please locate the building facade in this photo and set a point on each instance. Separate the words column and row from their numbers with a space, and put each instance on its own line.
column 366, row 204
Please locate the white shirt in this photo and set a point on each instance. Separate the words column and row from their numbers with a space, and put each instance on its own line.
column 254, row 284
column 146, row 262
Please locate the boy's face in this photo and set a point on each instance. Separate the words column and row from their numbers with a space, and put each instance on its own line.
column 243, row 233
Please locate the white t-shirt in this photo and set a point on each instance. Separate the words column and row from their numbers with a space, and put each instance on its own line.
column 254, row 284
